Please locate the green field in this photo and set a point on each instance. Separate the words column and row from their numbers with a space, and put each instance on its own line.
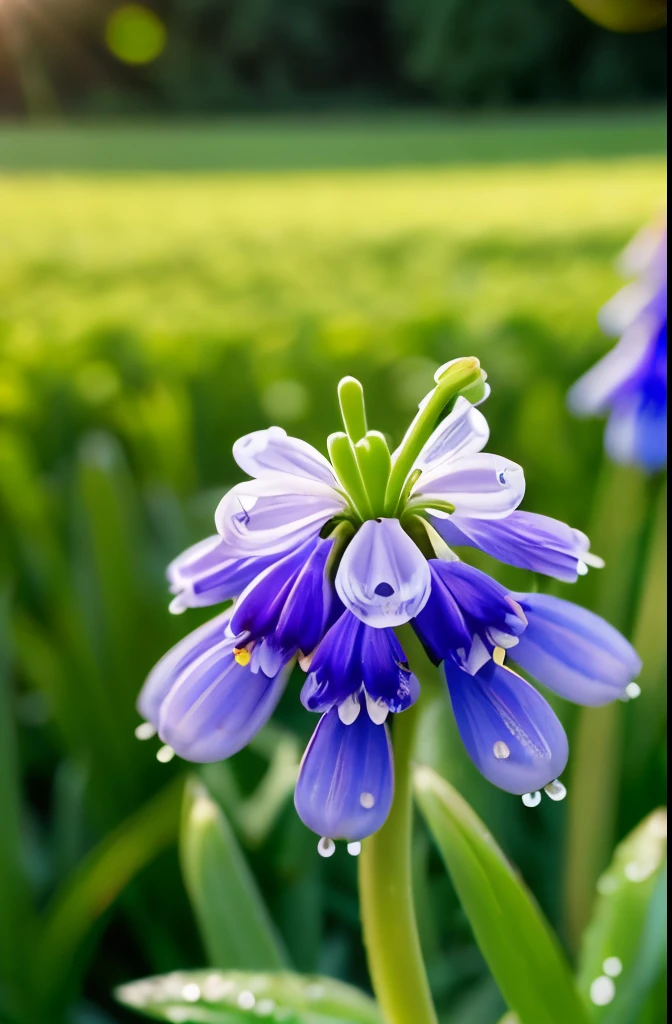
column 148, row 319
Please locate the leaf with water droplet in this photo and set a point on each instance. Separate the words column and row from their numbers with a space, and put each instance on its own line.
column 625, row 940
column 235, row 997
column 521, row 950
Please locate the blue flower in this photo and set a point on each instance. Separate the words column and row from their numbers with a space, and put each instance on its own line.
column 630, row 382
column 324, row 559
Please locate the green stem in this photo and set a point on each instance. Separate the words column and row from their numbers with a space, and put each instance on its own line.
column 389, row 924
column 461, row 374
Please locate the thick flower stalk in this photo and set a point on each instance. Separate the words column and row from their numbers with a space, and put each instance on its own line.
column 324, row 558
column 630, row 382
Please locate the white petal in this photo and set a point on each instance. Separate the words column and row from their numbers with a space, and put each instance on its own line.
column 383, row 577
column 463, row 432
column 272, row 451
column 275, row 512
column 483, row 486
column 377, row 709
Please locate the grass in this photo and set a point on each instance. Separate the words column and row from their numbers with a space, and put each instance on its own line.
column 410, row 140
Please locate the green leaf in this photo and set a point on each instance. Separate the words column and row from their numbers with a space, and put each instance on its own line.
column 97, row 882
column 519, row 946
column 234, row 997
column 626, row 939
column 234, row 923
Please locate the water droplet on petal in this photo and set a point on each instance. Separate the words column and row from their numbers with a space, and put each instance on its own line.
column 633, row 690
column 602, row 991
column 246, row 1000
column 178, row 605
column 145, row 731
column 555, row 790
column 501, row 751
column 191, row 993
column 612, row 966
column 532, row 799
column 165, row 754
column 354, row 849
column 326, row 847
column 367, row 800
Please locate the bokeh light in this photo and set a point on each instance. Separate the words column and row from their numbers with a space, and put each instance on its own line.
column 135, row 34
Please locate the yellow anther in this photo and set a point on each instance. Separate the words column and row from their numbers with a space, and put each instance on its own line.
column 498, row 656
column 242, row 655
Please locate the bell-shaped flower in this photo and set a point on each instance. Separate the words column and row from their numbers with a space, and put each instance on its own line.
column 354, row 661
column 630, row 382
column 574, row 652
column 466, row 611
column 207, row 698
column 290, row 602
column 346, row 779
column 510, row 732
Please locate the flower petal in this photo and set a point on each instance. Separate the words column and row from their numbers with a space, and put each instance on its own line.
column 463, row 432
column 165, row 673
column 260, row 605
column 525, row 539
column 383, row 577
column 274, row 513
column 207, row 573
column 216, row 705
column 345, row 784
column 272, row 451
column 594, row 392
column 511, row 734
column 387, row 677
column 484, row 486
column 573, row 651
column 336, row 668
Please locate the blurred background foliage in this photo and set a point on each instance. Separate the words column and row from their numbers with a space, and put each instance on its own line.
column 166, row 287
column 205, row 56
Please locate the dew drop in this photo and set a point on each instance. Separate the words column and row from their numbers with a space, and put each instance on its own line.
column 326, row 847
column 246, row 1000
column 602, row 991
column 555, row 790
column 633, row 690
column 367, row 800
column 191, row 993
column 501, row 751
column 354, row 849
column 145, row 731
column 177, row 606
column 532, row 799
column 612, row 966
column 165, row 754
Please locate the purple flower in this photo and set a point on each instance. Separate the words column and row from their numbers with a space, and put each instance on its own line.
column 630, row 382
column 324, row 559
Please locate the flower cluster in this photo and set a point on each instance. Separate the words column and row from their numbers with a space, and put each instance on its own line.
column 630, row 382
column 323, row 559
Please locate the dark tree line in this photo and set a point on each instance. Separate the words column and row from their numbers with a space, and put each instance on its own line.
column 290, row 54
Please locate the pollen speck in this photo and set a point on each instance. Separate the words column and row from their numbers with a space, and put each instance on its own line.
column 501, row 751
column 242, row 655
column 498, row 655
